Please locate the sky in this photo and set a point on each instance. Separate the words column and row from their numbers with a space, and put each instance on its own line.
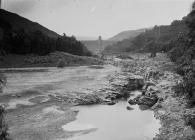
column 91, row 18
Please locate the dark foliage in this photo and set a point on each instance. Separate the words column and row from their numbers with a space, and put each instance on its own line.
column 183, row 53
column 156, row 39
column 21, row 42
column 22, row 36
column 3, row 127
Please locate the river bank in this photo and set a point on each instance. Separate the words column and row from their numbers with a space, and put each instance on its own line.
column 56, row 59
column 172, row 110
column 40, row 101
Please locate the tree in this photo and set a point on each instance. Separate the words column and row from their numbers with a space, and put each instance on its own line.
column 2, row 82
column 3, row 126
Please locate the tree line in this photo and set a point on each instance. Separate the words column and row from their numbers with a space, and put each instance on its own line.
column 35, row 42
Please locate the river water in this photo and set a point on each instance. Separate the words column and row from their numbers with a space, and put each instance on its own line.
column 114, row 123
column 103, row 122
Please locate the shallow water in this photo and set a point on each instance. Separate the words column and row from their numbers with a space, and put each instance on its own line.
column 114, row 123
column 95, row 122
column 66, row 80
column 32, row 82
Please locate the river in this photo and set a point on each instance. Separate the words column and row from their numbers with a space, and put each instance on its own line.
column 103, row 122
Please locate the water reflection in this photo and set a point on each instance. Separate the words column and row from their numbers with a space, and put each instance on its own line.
column 114, row 123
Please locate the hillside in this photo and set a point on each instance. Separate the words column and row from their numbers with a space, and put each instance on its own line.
column 17, row 23
column 19, row 35
column 157, row 38
column 127, row 34
column 154, row 39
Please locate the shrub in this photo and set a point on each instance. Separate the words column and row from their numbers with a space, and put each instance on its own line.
column 61, row 64
column 2, row 82
column 3, row 127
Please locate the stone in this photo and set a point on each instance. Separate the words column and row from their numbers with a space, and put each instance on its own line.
column 132, row 102
column 134, row 84
column 153, row 73
column 88, row 99
column 144, row 100
column 129, row 108
column 149, row 101
column 111, row 103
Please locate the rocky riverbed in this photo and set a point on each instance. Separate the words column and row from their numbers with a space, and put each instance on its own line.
column 158, row 94
column 40, row 101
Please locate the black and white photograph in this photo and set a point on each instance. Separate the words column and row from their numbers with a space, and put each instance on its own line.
column 97, row 69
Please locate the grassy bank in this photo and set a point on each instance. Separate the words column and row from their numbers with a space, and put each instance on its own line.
column 50, row 60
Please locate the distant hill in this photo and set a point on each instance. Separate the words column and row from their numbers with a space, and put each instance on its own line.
column 17, row 23
column 126, row 34
column 157, row 38
column 154, row 39
column 92, row 45
column 19, row 35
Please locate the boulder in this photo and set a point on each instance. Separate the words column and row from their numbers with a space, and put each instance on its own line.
column 153, row 74
column 144, row 100
column 132, row 102
column 114, row 96
column 88, row 99
column 109, row 102
column 129, row 108
column 148, row 101
column 134, row 84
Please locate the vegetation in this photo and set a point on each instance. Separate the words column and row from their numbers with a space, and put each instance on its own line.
column 155, row 39
column 21, row 42
column 61, row 64
column 3, row 126
column 2, row 82
column 184, row 54
column 21, row 36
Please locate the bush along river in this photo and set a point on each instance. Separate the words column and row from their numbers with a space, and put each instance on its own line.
column 81, row 103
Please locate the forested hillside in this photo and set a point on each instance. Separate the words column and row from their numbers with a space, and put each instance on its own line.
column 155, row 39
column 22, row 36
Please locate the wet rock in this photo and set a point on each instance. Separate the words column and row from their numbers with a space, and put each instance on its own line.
column 88, row 99
column 111, row 103
column 134, row 84
column 129, row 108
column 144, row 107
column 152, row 90
column 114, row 96
column 144, row 100
column 132, row 102
column 148, row 84
column 149, row 101
column 153, row 74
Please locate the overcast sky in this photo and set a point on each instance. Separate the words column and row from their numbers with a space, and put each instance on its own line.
column 91, row 18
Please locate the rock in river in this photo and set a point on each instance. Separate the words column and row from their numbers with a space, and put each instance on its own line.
column 144, row 100
column 88, row 99
column 134, row 84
